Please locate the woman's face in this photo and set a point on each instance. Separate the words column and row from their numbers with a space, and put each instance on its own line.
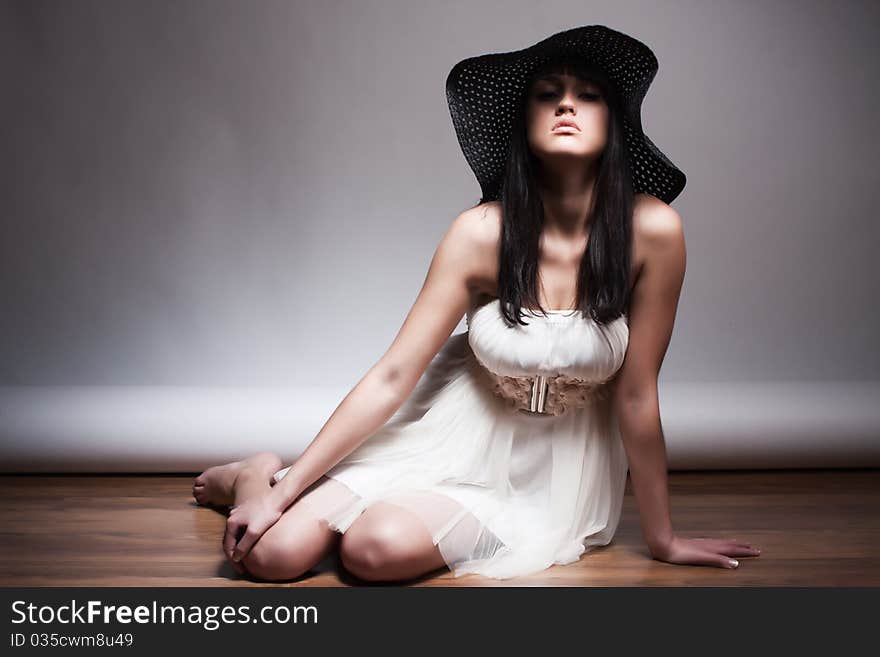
column 562, row 97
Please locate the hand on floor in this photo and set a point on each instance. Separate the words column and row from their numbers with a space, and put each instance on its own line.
column 704, row 551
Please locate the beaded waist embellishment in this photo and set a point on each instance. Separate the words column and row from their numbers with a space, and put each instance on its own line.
column 540, row 394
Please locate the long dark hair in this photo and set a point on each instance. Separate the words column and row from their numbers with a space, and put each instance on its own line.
column 604, row 273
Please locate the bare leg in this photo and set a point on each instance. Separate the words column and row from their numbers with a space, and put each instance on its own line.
column 389, row 543
column 290, row 547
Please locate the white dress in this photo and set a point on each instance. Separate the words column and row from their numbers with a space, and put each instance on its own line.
column 503, row 493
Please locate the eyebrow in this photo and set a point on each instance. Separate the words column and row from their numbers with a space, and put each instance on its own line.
column 553, row 77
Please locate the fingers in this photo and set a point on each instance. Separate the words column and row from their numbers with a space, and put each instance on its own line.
column 704, row 551
column 238, row 567
column 730, row 547
column 244, row 545
column 715, row 559
column 230, row 537
column 232, row 529
column 734, row 548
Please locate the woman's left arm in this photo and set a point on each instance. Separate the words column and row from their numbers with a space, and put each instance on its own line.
column 651, row 316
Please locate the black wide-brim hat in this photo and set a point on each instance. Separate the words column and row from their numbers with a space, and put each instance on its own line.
column 484, row 93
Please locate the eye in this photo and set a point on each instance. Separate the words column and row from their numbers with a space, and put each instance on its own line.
column 587, row 95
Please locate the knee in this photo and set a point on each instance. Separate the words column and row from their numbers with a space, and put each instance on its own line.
column 373, row 553
column 269, row 560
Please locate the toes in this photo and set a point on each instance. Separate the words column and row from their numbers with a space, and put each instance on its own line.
column 203, row 499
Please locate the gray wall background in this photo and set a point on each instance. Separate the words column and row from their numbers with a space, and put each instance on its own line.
column 249, row 193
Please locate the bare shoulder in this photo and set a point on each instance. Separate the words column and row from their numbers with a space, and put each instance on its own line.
column 478, row 231
column 482, row 223
column 655, row 220
column 656, row 227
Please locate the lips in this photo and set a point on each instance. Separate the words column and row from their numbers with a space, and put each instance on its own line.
column 566, row 124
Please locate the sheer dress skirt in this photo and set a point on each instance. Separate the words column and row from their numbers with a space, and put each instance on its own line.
column 456, row 532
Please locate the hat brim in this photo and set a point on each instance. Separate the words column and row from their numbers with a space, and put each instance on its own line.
column 483, row 93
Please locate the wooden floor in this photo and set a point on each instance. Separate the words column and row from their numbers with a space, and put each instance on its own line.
column 814, row 527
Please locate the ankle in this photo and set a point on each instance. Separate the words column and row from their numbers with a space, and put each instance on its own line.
column 250, row 473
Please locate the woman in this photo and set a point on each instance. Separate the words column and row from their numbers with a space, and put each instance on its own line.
column 504, row 450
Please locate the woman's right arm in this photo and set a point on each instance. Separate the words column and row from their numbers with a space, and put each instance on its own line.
column 460, row 260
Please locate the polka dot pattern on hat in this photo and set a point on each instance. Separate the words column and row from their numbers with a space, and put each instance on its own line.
column 484, row 93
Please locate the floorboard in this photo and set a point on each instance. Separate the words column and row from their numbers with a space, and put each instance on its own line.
column 815, row 528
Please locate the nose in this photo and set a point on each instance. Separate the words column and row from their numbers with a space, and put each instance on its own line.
column 565, row 105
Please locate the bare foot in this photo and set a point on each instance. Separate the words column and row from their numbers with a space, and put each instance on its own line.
column 216, row 485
